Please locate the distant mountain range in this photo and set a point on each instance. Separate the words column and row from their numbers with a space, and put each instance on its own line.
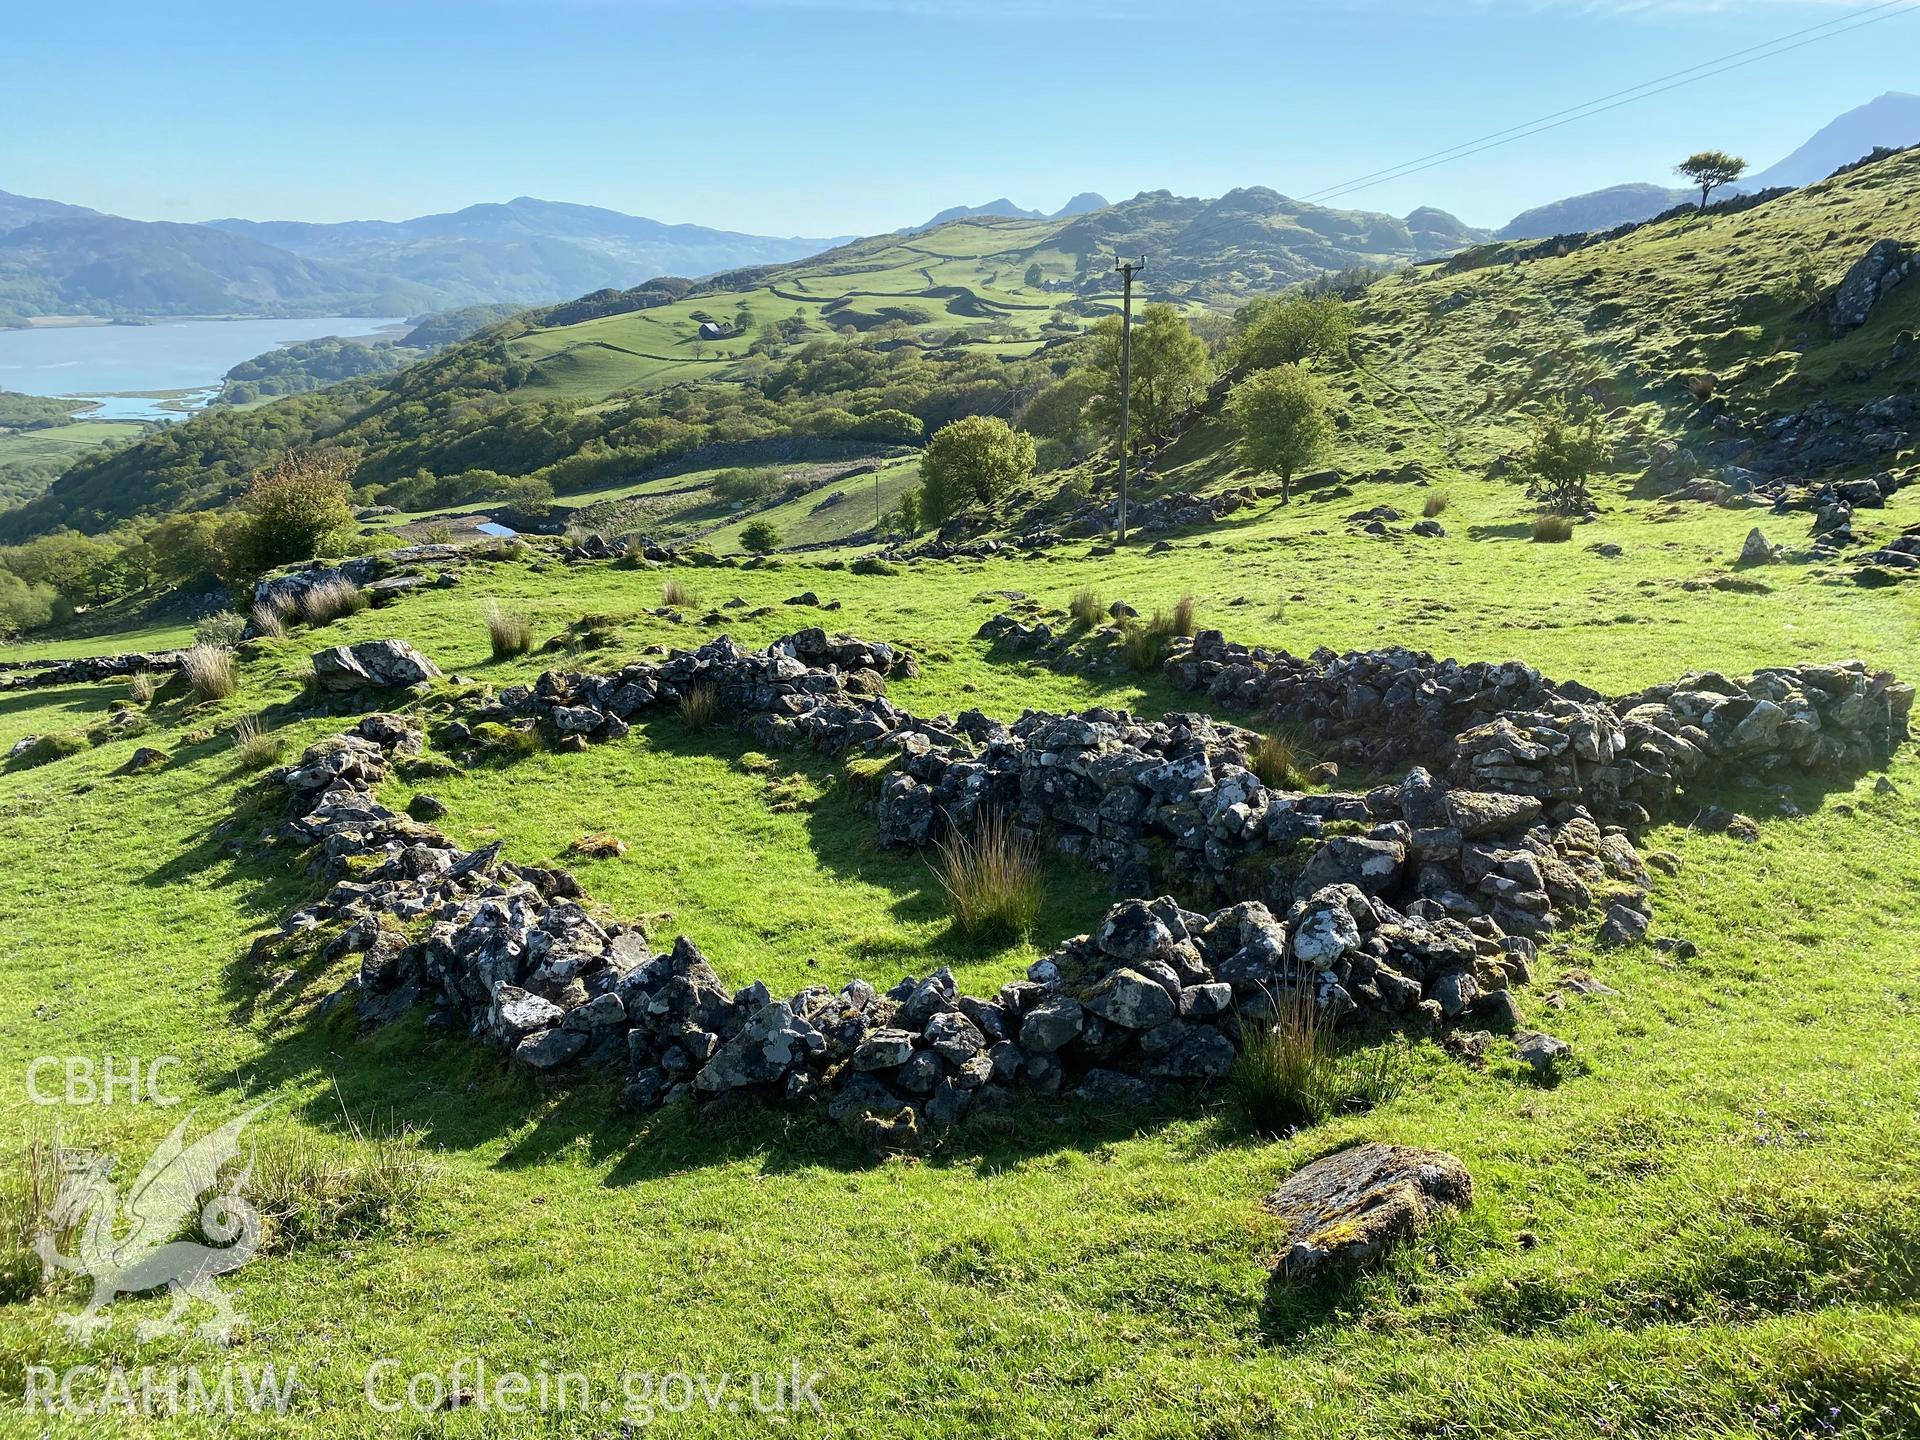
column 59, row 259
column 527, row 249
column 1893, row 120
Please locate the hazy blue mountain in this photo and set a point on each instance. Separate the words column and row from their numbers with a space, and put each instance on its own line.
column 1595, row 210
column 1002, row 207
column 1081, row 204
column 526, row 249
column 18, row 210
column 1892, row 120
column 88, row 264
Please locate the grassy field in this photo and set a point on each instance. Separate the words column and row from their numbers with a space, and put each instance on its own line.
column 30, row 459
column 1705, row 1231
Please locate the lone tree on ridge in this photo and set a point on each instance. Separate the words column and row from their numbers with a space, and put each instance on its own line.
column 1710, row 169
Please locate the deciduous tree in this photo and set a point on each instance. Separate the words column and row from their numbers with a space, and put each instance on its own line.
column 1710, row 169
column 1169, row 372
column 973, row 461
column 1280, row 415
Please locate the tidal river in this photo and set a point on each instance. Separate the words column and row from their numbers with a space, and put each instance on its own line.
column 158, row 371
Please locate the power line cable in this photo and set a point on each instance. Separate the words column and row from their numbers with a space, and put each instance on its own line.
column 1855, row 20
column 1616, row 95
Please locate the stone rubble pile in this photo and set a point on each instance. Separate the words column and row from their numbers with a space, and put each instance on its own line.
column 1506, row 728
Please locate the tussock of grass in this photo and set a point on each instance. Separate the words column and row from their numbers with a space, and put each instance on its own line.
column 1552, row 529
column 29, row 1180
column 1181, row 621
column 141, row 686
column 1289, row 1075
column 257, row 746
column 310, row 1190
column 209, row 672
column 1279, row 761
column 699, row 707
column 992, row 879
column 270, row 620
column 1086, row 607
column 677, row 595
column 1144, row 643
column 331, row 600
column 307, row 1189
column 509, row 634
column 1436, row 504
column 223, row 628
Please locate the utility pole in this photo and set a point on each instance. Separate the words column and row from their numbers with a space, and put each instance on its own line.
column 1128, row 269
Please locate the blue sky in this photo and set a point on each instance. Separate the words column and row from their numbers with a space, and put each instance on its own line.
column 819, row 117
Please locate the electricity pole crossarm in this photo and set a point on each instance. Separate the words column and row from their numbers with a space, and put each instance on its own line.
column 1128, row 269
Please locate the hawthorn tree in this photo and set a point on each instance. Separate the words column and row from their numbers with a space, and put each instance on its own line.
column 973, row 461
column 1280, row 415
column 1710, row 169
column 760, row 538
column 292, row 508
column 1569, row 445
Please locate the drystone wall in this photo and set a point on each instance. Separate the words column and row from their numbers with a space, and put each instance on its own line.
column 1508, row 728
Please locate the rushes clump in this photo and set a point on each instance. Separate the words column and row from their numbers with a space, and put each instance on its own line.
column 313, row 1190
column 1086, row 607
column 1144, row 642
column 141, row 687
column 1436, row 505
column 1552, row 529
column 675, row 594
column 330, row 600
column 508, row 633
column 223, row 628
column 256, row 745
column 1279, row 761
column 1182, row 618
column 28, row 1183
column 992, row 879
column 209, row 672
column 1289, row 1074
column 699, row 707
column 269, row 619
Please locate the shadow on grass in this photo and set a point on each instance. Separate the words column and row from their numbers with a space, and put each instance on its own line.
column 1512, row 530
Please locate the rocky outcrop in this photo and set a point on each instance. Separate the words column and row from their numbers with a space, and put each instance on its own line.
column 1886, row 264
column 372, row 665
column 1352, row 1206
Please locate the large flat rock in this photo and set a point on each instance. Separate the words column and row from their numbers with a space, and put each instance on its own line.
column 1352, row 1206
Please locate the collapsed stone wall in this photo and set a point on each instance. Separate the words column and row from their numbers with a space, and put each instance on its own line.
column 1155, row 996
column 36, row 674
column 1415, row 901
column 1507, row 728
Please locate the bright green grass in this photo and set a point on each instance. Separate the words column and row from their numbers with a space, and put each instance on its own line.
column 809, row 521
column 1720, row 1200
